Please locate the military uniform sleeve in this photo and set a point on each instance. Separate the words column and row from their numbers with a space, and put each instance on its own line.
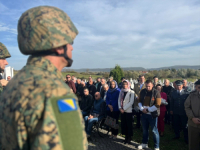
column 188, row 109
column 1, row 89
column 59, row 130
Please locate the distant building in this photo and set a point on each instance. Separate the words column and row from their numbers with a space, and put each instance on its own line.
column 144, row 72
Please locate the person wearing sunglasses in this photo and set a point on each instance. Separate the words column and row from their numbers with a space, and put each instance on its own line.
column 192, row 108
column 70, row 83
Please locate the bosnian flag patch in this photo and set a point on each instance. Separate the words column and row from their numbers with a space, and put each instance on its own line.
column 66, row 105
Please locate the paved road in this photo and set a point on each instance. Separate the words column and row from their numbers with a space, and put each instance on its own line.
column 98, row 143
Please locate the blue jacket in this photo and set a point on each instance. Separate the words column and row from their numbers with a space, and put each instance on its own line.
column 97, row 106
column 112, row 99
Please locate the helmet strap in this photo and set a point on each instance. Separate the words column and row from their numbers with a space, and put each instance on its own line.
column 51, row 53
column 70, row 61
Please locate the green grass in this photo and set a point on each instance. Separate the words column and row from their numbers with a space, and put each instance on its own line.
column 166, row 142
column 78, row 75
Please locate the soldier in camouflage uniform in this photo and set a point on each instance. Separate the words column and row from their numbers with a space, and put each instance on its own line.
column 38, row 110
column 3, row 62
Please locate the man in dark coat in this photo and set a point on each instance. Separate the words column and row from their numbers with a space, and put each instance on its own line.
column 177, row 109
column 168, row 90
column 91, row 87
column 86, row 103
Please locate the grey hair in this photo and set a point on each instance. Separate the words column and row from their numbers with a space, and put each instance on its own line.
column 106, row 85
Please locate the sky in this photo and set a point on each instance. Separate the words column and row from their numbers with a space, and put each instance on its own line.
column 136, row 33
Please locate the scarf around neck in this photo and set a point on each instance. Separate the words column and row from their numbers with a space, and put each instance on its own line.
column 122, row 92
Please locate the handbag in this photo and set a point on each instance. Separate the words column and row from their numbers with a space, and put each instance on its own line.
column 111, row 122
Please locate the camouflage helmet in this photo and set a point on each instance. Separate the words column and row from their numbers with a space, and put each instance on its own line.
column 44, row 28
column 4, row 51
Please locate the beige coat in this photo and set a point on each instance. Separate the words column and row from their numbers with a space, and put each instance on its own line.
column 192, row 108
column 128, row 101
column 137, row 92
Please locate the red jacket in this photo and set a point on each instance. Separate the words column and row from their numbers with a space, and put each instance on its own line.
column 163, row 96
column 72, row 86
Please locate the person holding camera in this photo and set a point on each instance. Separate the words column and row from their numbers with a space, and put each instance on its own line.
column 149, row 104
column 192, row 106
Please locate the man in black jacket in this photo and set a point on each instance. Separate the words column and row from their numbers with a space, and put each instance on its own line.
column 91, row 87
column 86, row 103
column 168, row 90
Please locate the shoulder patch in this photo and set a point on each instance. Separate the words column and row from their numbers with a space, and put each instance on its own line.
column 66, row 105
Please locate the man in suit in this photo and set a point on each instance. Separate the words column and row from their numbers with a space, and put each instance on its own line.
column 137, row 88
column 177, row 109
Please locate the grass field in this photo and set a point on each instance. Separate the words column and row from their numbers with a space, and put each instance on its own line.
column 86, row 76
column 78, row 75
column 166, row 142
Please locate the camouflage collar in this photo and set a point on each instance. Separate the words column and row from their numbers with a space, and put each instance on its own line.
column 45, row 64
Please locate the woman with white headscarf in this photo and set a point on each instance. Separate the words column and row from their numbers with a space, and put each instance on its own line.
column 125, row 102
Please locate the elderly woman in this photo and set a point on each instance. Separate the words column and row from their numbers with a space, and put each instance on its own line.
column 125, row 102
column 112, row 103
column 161, row 124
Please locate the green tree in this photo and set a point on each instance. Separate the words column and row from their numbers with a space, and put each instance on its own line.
column 117, row 73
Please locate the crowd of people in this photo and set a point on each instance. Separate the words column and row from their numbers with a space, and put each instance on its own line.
column 148, row 103
column 39, row 111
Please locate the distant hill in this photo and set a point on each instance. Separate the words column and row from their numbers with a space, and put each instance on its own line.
column 132, row 68
column 106, row 69
column 177, row 67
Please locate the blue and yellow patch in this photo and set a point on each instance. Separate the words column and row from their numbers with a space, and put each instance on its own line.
column 66, row 105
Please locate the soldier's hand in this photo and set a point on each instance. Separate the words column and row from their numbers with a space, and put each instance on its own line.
column 4, row 82
column 196, row 120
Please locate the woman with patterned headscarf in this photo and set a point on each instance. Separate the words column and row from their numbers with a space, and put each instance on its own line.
column 125, row 102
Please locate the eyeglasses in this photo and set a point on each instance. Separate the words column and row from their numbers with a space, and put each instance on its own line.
column 68, row 77
column 96, row 95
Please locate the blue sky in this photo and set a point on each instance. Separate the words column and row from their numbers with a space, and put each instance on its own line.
column 147, row 33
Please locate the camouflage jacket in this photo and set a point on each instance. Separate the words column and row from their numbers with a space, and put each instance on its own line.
column 29, row 113
column 1, row 89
